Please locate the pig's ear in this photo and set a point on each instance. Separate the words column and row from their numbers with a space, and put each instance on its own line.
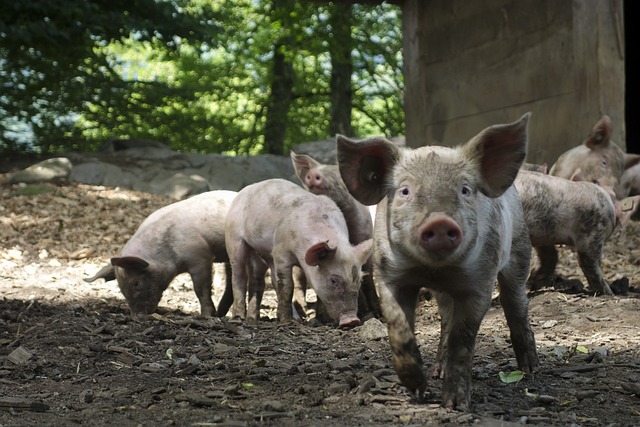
column 601, row 133
column 363, row 250
column 130, row 263
column 499, row 151
column 318, row 253
column 107, row 273
column 631, row 160
column 364, row 166
column 302, row 163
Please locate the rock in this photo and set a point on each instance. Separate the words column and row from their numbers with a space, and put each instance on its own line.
column 55, row 170
column 180, row 186
column 373, row 329
column 152, row 167
column 273, row 405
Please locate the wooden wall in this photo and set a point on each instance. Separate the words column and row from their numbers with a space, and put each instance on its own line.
column 470, row 64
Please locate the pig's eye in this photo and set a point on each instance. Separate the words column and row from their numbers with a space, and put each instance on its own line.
column 135, row 284
column 404, row 191
column 466, row 190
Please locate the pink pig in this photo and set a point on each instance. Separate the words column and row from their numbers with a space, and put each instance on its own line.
column 288, row 226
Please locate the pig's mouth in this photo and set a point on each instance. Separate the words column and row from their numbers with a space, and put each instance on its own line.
column 348, row 320
column 142, row 311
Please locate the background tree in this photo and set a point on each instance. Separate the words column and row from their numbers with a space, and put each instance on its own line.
column 340, row 45
column 200, row 75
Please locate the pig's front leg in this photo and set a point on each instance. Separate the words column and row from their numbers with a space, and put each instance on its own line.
column 284, row 291
column 514, row 302
column 445, row 308
column 368, row 291
column 464, row 322
column 202, row 276
column 398, row 308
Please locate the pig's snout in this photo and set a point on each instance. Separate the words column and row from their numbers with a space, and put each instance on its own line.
column 348, row 320
column 314, row 180
column 440, row 234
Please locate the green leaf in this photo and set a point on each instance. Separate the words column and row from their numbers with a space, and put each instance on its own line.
column 511, row 377
column 582, row 349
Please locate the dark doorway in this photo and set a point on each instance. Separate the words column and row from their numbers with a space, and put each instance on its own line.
column 632, row 79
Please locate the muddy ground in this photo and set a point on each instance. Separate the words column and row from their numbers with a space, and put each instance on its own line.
column 70, row 354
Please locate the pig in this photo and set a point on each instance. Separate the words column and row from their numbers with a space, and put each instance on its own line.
column 324, row 179
column 287, row 226
column 630, row 180
column 580, row 214
column 598, row 160
column 535, row 167
column 450, row 220
column 185, row 236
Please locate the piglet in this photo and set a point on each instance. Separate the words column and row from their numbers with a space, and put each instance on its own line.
column 448, row 219
column 598, row 159
column 186, row 236
column 580, row 214
column 288, row 226
column 324, row 179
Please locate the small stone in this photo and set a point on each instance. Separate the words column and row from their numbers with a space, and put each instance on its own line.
column 373, row 329
column 273, row 405
column 336, row 388
column 87, row 396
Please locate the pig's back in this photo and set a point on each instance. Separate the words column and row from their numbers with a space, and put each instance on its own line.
column 196, row 221
column 262, row 208
column 557, row 210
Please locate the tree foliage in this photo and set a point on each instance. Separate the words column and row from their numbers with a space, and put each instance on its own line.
column 197, row 74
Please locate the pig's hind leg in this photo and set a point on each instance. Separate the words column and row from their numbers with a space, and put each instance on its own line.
column 239, row 253
column 543, row 276
column 227, row 296
column 590, row 261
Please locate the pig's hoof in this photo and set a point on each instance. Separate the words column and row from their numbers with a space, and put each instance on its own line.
column 458, row 403
column 418, row 396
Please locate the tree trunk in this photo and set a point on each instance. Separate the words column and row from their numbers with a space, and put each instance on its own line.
column 341, row 69
column 281, row 94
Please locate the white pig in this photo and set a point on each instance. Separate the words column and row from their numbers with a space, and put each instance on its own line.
column 185, row 236
column 598, row 159
column 288, row 226
column 580, row 214
column 448, row 219
column 324, row 179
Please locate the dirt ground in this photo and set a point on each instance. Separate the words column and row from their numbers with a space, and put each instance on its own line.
column 70, row 354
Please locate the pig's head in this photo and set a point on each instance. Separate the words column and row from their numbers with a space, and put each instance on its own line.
column 315, row 176
column 434, row 194
column 598, row 160
column 335, row 272
column 141, row 284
